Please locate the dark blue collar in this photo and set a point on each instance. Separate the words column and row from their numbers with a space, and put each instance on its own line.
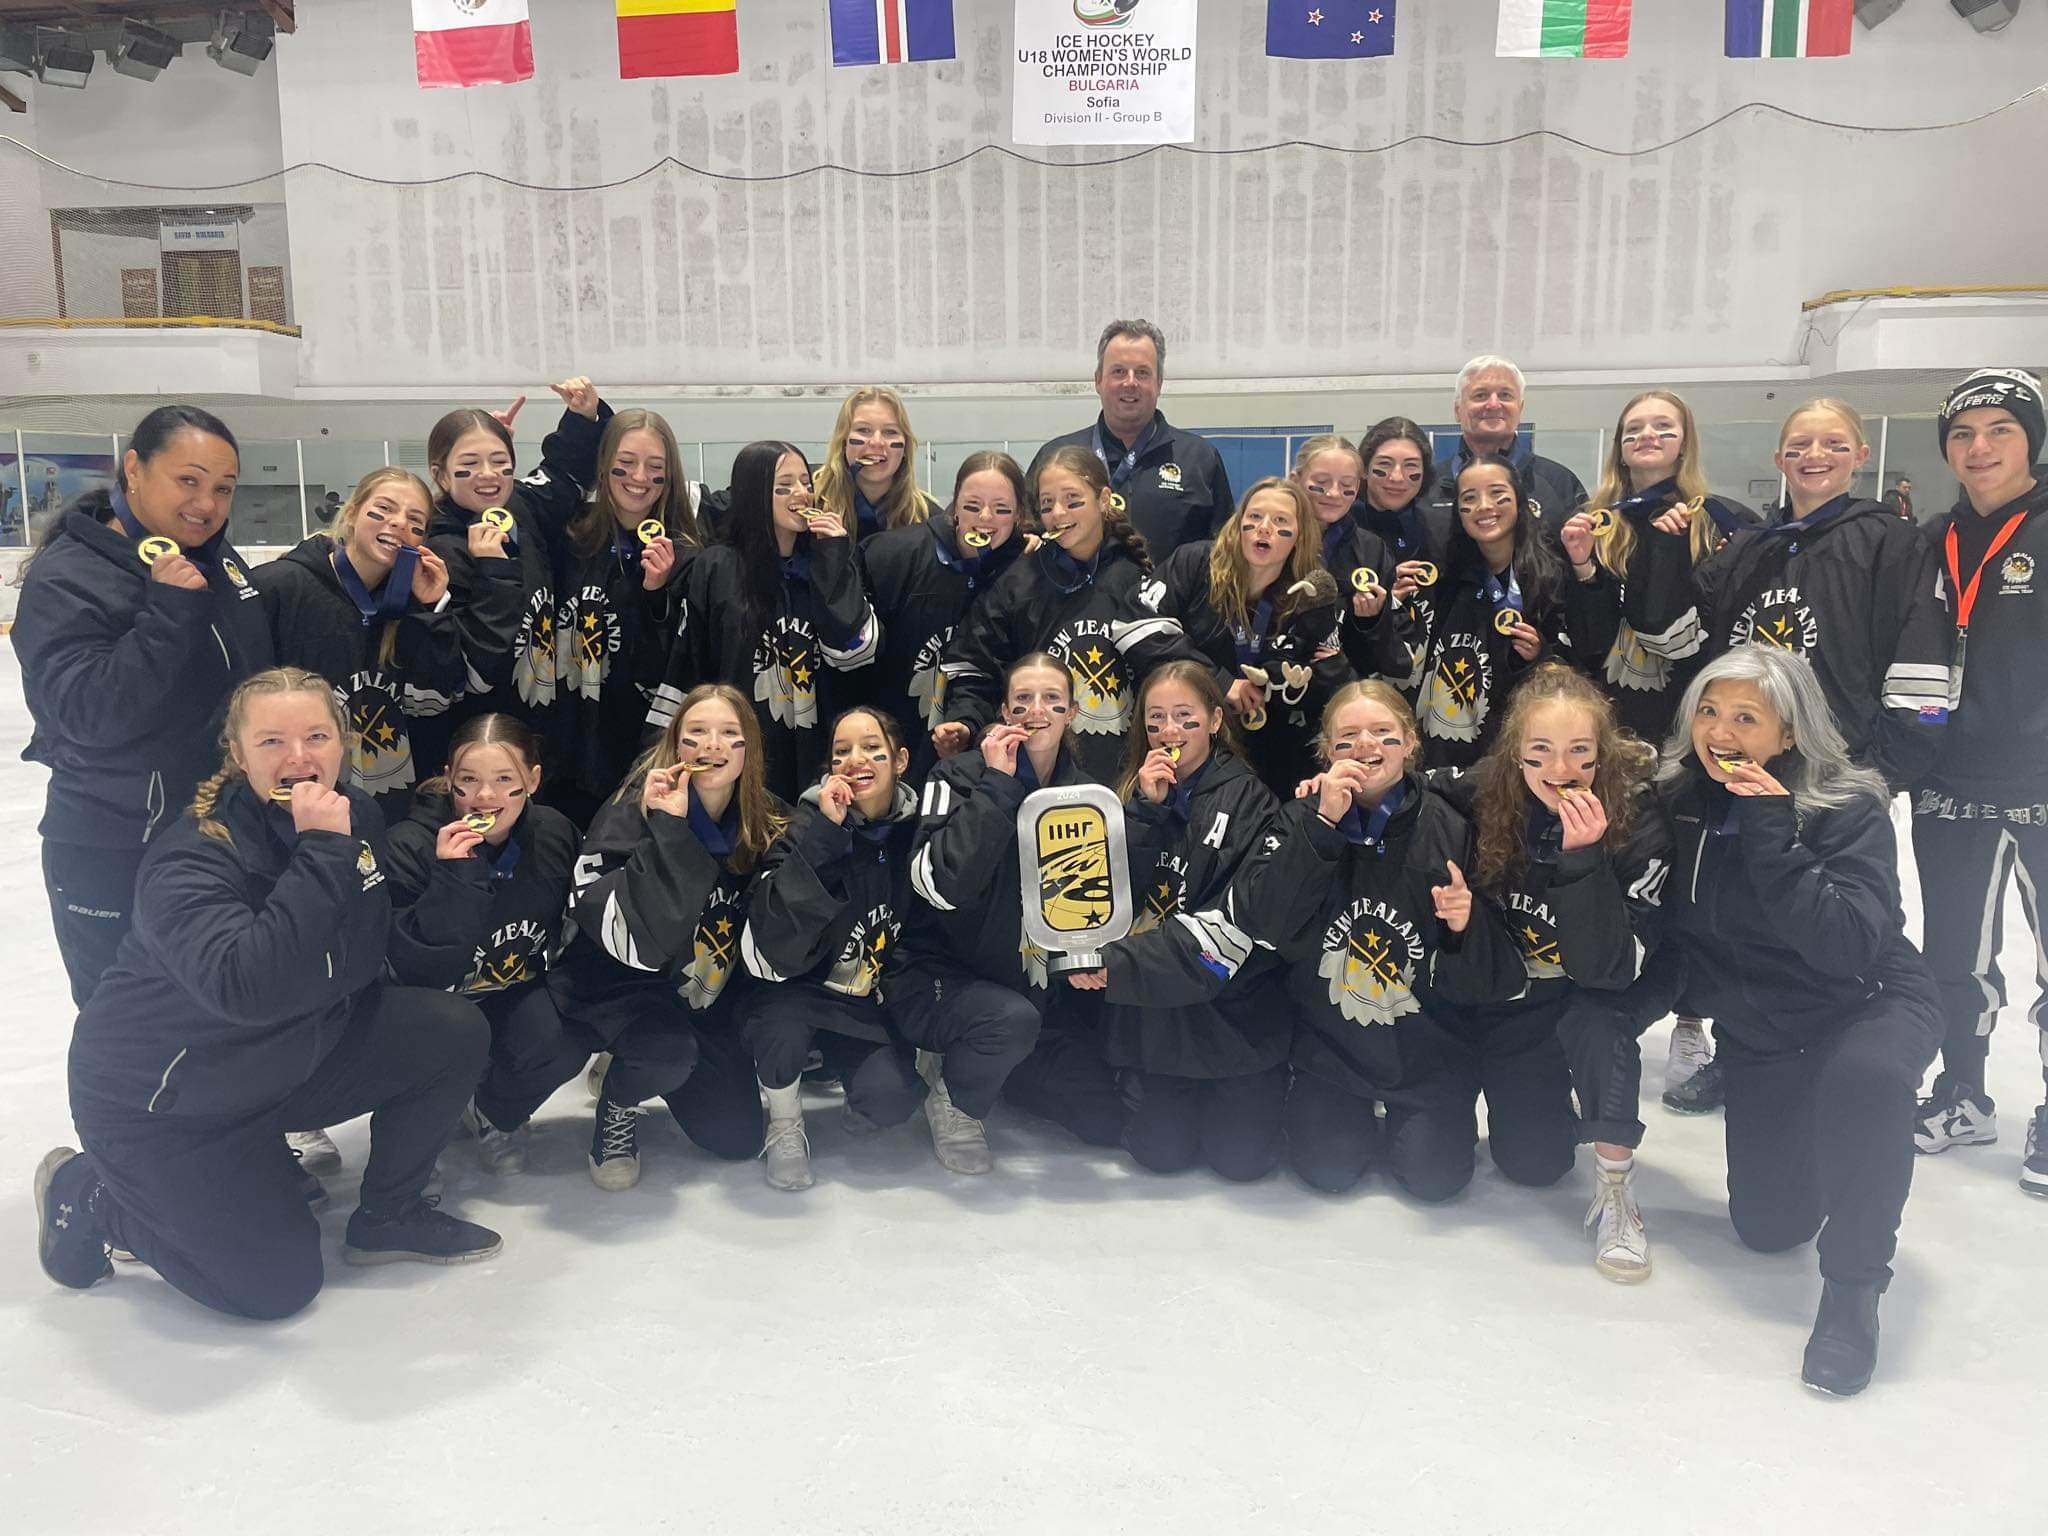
column 1251, row 639
column 1369, row 829
column 952, row 556
column 388, row 600
column 1502, row 597
column 867, row 516
column 796, row 565
column 1543, row 837
column 1179, row 797
column 719, row 835
column 504, row 860
column 1519, row 454
column 1333, row 540
column 1826, row 512
column 1402, row 529
column 200, row 554
column 1027, row 775
column 1069, row 574
column 1650, row 502
column 1125, row 463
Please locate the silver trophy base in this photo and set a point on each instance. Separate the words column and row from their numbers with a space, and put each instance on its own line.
column 1082, row 960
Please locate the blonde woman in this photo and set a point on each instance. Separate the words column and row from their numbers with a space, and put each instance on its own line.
column 869, row 478
column 365, row 605
column 252, row 996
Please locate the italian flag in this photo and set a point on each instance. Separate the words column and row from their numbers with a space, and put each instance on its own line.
column 1789, row 29
column 1563, row 29
column 472, row 42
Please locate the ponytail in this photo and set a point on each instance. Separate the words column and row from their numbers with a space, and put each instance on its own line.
column 206, row 796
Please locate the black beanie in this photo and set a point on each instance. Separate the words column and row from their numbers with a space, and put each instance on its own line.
column 2004, row 389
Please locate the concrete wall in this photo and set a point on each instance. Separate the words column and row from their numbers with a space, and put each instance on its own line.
column 1292, row 263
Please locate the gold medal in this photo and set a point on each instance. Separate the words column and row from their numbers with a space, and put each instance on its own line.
column 1256, row 720
column 496, row 517
column 281, row 793
column 480, row 822
column 1425, row 574
column 1601, row 518
column 1506, row 620
column 1173, row 752
column 974, row 538
column 1116, row 501
column 1729, row 764
column 1364, row 579
column 156, row 548
column 651, row 530
column 700, row 767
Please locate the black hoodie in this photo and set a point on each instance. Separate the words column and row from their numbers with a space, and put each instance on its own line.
column 1995, row 750
column 128, row 679
column 966, row 870
column 922, row 584
column 1779, row 925
column 1856, row 590
column 505, row 920
column 1367, row 960
column 616, row 639
column 507, row 606
column 1096, row 619
column 827, row 908
column 1189, row 994
column 315, row 624
column 247, row 958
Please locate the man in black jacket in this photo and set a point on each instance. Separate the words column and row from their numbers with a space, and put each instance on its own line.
column 1489, row 403
column 1172, row 482
column 1984, row 808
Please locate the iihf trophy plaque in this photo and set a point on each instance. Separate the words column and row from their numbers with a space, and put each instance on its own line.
column 1075, row 873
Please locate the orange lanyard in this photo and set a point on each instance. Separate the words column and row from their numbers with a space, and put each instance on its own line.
column 1966, row 597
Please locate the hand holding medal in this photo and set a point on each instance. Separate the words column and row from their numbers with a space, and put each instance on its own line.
column 167, row 564
column 657, row 555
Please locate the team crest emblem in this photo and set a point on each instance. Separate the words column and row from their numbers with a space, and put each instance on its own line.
column 501, row 971
column 1371, row 970
column 1100, row 708
column 713, row 953
column 1778, row 618
column 233, row 572
column 381, row 757
column 1630, row 666
column 786, row 675
column 1161, row 901
column 928, row 681
column 1455, row 691
column 588, row 634
column 1536, row 937
column 533, row 672
column 1169, row 475
column 2017, row 573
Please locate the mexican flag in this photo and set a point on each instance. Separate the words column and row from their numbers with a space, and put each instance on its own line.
column 1789, row 29
column 471, row 42
column 1563, row 29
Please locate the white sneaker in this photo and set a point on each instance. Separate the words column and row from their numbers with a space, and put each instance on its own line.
column 600, row 1064
column 1690, row 1051
column 958, row 1139
column 615, row 1148
column 1621, row 1248
column 498, row 1151
column 1953, row 1117
column 787, row 1150
column 316, row 1151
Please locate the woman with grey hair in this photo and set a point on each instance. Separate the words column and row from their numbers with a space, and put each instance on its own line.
column 1782, row 924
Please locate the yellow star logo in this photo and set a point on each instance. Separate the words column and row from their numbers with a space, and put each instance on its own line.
column 802, row 674
column 1093, row 654
column 386, row 735
column 590, row 622
column 724, row 926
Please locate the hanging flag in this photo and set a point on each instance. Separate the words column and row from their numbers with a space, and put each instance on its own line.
column 471, row 42
column 658, row 38
column 1329, row 29
column 1563, row 29
column 1789, row 29
column 890, row 31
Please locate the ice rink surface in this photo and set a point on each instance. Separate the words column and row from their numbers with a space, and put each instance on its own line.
column 1064, row 1346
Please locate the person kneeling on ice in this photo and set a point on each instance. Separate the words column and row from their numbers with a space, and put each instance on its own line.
column 828, row 911
column 1361, row 888
column 249, row 998
column 496, row 912
column 1572, row 854
column 1782, row 923
column 653, row 976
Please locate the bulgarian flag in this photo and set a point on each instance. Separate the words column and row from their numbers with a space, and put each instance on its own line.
column 472, row 42
column 1563, row 29
column 677, row 37
column 1789, row 29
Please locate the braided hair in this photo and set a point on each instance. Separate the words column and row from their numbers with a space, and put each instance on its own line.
column 270, row 684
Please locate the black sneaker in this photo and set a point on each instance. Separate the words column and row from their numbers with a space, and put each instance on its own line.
column 416, row 1231
column 1701, row 1094
column 2034, row 1170
column 1843, row 1350
column 68, row 1239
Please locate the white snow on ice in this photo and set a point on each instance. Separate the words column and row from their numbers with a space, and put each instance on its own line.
column 1067, row 1345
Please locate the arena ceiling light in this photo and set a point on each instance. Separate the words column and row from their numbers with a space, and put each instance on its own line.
column 62, row 59
column 142, row 51
column 242, row 40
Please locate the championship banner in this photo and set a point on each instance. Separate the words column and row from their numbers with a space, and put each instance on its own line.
column 1074, row 873
column 1104, row 72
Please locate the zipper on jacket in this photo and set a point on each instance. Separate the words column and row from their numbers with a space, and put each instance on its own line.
column 1698, row 857
column 153, row 802
column 225, row 659
column 165, row 1081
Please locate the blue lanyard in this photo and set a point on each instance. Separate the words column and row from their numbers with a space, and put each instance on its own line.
column 1120, row 472
column 389, row 601
column 1501, row 597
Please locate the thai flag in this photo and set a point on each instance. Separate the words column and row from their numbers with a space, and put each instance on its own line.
column 890, row 31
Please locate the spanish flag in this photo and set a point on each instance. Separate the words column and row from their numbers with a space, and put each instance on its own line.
column 677, row 37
